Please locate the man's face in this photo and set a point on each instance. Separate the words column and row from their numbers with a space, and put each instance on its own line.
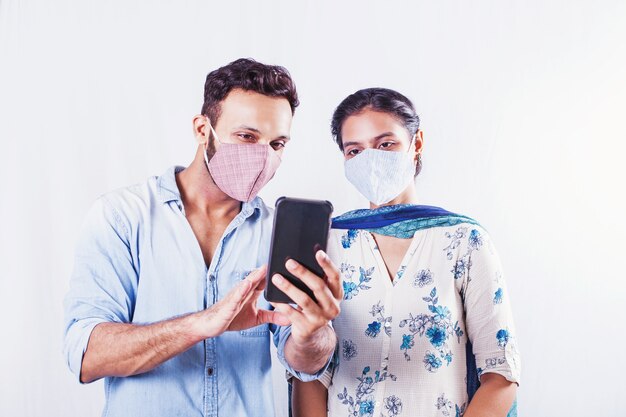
column 250, row 117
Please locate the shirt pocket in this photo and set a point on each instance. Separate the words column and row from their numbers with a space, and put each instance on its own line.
column 258, row 331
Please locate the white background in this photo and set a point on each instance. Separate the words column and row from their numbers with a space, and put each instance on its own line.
column 522, row 104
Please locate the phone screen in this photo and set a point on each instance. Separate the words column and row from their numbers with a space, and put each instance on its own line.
column 300, row 230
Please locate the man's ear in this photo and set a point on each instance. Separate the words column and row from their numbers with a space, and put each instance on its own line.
column 201, row 129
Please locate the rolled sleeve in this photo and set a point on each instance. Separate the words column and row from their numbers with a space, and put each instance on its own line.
column 281, row 334
column 103, row 282
column 489, row 319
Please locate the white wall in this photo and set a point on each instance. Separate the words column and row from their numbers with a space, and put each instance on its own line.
column 521, row 104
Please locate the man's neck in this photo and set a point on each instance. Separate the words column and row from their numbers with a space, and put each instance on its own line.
column 199, row 193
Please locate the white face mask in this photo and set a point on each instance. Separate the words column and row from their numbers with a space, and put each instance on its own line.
column 380, row 175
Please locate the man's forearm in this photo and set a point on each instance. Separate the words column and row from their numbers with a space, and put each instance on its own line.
column 119, row 349
column 493, row 398
column 309, row 356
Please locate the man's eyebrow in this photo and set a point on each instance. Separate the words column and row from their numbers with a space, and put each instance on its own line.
column 252, row 129
column 255, row 130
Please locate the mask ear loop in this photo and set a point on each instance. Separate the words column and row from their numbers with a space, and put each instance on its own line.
column 206, row 144
column 411, row 143
column 419, row 154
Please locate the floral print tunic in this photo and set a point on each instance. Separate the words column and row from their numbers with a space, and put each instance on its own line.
column 402, row 342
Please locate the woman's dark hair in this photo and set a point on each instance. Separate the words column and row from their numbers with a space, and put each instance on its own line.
column 381, row 100
column 250, row 75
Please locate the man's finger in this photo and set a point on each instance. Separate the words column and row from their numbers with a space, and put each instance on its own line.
column 235, row 299
column 298, row 296
column 288, row 311
column 333, row 276
column 275, row 317
column 256, row 278
column 324, row 296
column 258, row 275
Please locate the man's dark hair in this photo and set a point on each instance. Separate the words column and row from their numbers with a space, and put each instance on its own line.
column 249, row 75
column 381, row 100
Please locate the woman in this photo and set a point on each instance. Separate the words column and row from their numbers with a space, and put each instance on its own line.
column 425, row 311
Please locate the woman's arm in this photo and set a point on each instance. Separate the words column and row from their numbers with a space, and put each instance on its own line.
column 493, row 398
column 308, row 399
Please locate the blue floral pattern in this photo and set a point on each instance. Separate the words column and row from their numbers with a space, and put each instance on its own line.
column 362, row 403
column 393, row 405
column 448, row 408
column 463, row 264
column 349, row 349
column 497, row 297
column 351, row 289
column 455, row 240
column 433, row 305
column 503, row 337
column 348, row 238
column 424, row 277
column 400, row 272
column 374, row 327
column 437, row 327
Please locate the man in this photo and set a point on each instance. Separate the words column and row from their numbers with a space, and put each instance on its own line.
column 164, row 298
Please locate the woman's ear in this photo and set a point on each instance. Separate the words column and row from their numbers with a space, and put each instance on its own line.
column 419, row 143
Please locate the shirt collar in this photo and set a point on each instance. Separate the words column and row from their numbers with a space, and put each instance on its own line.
column 168, row 191
column 167, row 187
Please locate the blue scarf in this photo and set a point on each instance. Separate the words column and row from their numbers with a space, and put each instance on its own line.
column 401, row 220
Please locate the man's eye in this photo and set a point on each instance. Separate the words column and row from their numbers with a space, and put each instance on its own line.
column 278, row 145
column 385, row 145
column 246, row 136
column 353, row 152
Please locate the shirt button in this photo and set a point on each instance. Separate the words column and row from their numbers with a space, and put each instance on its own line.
column 211, row 277
column 209, row 371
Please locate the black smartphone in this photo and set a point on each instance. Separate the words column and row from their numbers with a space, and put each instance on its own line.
column 300, row 230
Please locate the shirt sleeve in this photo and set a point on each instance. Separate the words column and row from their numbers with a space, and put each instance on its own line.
column 281, row 334
column 489, row 320
column 103, row 282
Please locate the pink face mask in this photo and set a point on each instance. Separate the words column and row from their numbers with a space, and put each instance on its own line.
column 242, row 170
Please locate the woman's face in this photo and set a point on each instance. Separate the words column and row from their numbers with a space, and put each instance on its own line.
column 375, row 130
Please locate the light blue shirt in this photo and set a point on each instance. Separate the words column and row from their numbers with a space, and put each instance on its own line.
column 138, row 261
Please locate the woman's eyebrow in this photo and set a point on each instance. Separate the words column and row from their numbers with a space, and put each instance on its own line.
column 375, row 139
column 383, row 135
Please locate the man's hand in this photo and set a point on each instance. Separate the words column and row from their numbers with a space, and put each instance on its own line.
column 311, row 341
column 310, row 317
column 239, row 310
column 122, row 349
